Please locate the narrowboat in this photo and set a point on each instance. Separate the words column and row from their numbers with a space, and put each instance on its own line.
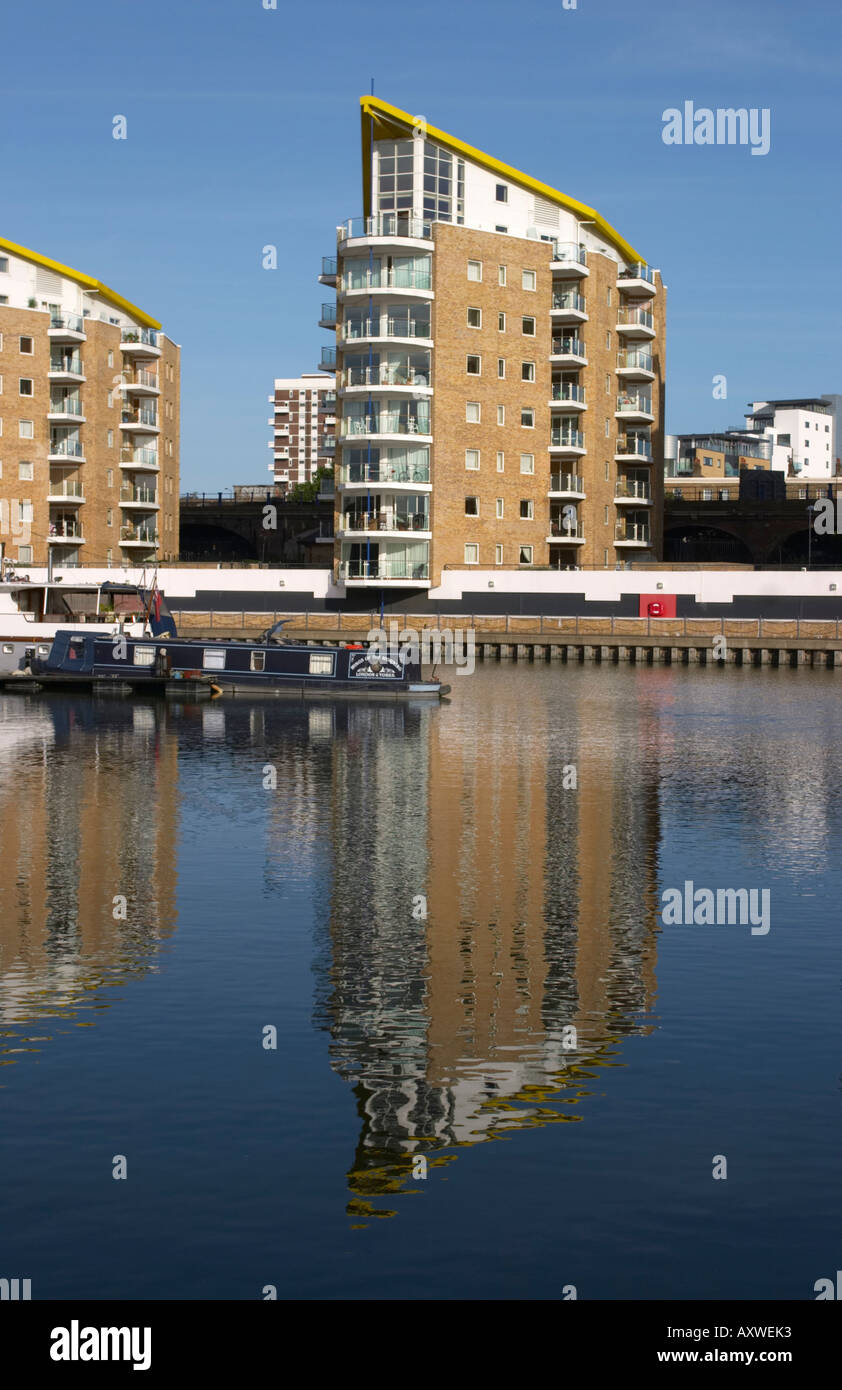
column 32, row 613
column 270, row 665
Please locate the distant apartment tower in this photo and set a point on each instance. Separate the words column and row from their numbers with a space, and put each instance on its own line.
column 802, row 433
column 89, row 420
column 304, row 425
column 500, row 370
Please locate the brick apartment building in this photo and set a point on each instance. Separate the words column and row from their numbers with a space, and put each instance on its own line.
column 89, row 420
column 303, row 426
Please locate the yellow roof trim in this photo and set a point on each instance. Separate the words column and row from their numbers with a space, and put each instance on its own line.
column 87, row 280
column 394, row 121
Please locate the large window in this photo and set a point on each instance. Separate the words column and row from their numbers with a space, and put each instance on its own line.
column 144, row 656
column 213, row 659
column 321, row 663
column 444, row 185
column 396, row 159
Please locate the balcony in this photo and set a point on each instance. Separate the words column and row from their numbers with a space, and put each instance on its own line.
column 567, row 307
column 568, row 352
column 569, row 260
column 327, row 361
column 66, row 328
column 635, row 323
column 60, row 490
column 65, row 408
column 633, row 446
column 328, row 316
column 140, row 342
column 404, row 374
column 637, row 279
column 566, row 440
column 139, row 497
column 635, row 365
column 328, row 275
column 385, row 227
column 566, row 530
column 568, row 395
column 385, row 278
column 632, row 533
column 139, row 458
column 327, row 443
column 407, row 476
column 634, row 408
column 138, row 535
column 393, row 567
column 633, row 490
column 385, row 522
column 66, row 367
column 387, row 423
column 140, row 382
column 140, row 421
column 63, row 531
column 402, row 327
column 328, row 404
column 566, row 485
column 62, row 448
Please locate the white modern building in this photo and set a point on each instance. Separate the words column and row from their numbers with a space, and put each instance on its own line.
column 303, row 427
column 802, row 433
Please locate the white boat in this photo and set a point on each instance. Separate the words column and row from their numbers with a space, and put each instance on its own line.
column 32, row 613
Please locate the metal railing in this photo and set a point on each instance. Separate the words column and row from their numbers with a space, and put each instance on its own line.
column 139, row 417
column 394, row 521
column 384, row 472
column 139, row 457
column 67, row 364
column 65, row 530
column 139, row 337
column 567, row 439
column 328, row 314
column 327, row 361
column 66, row 489
column 634, row 404
column 383, row 568
column 139, row 377
column 635, row 357
column 390, row 224
column 66, row 448
column 138, row 533
column 388, row 278
column 631, row 446
column 66, row 405
column 567, row 299
column 568, row 347
column 329, row 266
column 566, row 482
column 637, row 271
column 385, row 423
column 146, row 495
column 566, row 528
column 387, row 374
column 71, row 323
column 632, row 487
column 569, row 251
column 354, row 330
column 631, row 531
column 640, row 318
column 566, row 391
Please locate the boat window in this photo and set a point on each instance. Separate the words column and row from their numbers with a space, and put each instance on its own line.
column 7, row 648
column 321, row 663
column 76, row 648
column 258, row 661
column 144, row 656
column 214, row 659
column 43, row 651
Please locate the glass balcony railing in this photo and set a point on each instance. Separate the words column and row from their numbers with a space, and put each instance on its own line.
column 327, row 443
column 140, row 378
column 634, row 446
column 65, row 530
column 139, row 337
column 632, row 531
column 71, row 323
column 388, row 278
column 634, row 404
column 395, row 327
column 65, row 405
column 567, row 527
column 146, row 495
column 569, row 251
column 568, row 391
column 386, row 374
column 568, row 347
column 567, row 439
column 328, row 359
column 639, row 318
column 60, row 488
column 568, row 300
column 637, row 271
column 66, row 448
column 388, row 521
column 139, row 533
column 386, row 423
column 328, row 314
column 329, row 265
column 67, row 364
column 385, row 472
column 633, row 488
column 634, row 357
column 385, row 567
column 139, row 417
column 566, row 482
column 147, row 458
column 388, row 224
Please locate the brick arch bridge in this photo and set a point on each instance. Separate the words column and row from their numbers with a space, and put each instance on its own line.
column 747, row 532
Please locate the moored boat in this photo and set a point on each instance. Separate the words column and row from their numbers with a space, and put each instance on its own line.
column 32, row 613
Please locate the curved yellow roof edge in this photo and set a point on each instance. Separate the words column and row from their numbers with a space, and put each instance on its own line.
column 372, row 107
column 87, row 280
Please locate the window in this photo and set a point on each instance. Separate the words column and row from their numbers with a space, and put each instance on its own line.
column 471, row 554
column 785, row 440
column 111, row 359
column 109, row 517
column 527, row 463
column 501, row 461
column 475, row 318
column 4, row 263
column 25, row 472
column 25, row 513
column 500, row 508
column 474, row 270
column 608, row 337
column 501, row 415
column 109, row 477
column 25, row 386
column 472, row 460
column 257, row 661
column 472, row 412
column 608, row 383
column 110, row 398
column 501, row 229
column 527, row 418
column 501, row 193
column 529, row 280
column 525, row 555
column 501, row 275
column 26, row 429
column 501, row 367
column 708, row 462
column 27, row 346
column 607, row 428
column 145, row 655
column 605, row 516
column 707, row 494
column 111, row 439
column 25, row 554
column 608, row 295
column 528, row 324
column 501, row 323
column 498, row 554
column 321, row 663
column 213, row 659
column 527, row 371
column 473, row 364
column 109, row 557
column 472, row 506
column 527, row 509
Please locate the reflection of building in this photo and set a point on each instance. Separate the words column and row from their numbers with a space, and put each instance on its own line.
column 88, row 815
column 540, row 904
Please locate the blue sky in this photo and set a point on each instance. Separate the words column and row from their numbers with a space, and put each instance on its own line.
column 243, row 131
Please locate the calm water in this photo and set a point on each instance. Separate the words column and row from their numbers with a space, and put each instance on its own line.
column 445, row 1036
